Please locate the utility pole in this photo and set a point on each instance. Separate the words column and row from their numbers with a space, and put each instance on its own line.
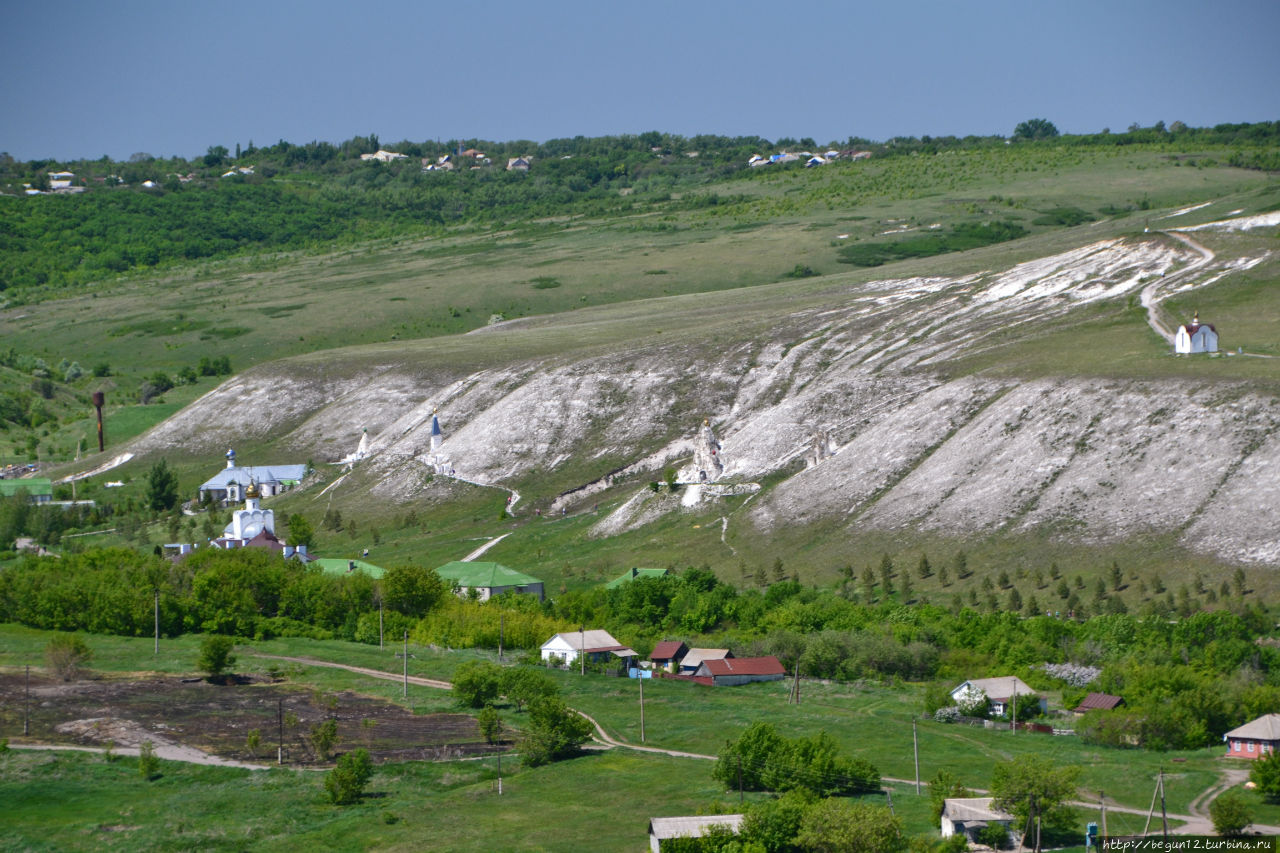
column 1164, row 815
column 26, row 704
column 156, row 651
column 641, row 680
column 915, row 747
column 582, row 649
column 739, row 780
column 888, row 792
column 499, row 772
column 502, row 625
column 380, row 622
column 280, row 731
column 1102, row 800
column 1014, row 730
column 405, row 655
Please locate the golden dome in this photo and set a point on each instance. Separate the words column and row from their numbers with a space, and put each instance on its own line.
column 252, row 492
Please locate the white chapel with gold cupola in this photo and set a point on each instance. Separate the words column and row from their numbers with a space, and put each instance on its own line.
column 253, row 519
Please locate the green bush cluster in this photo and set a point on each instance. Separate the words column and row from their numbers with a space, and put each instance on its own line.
column 763, row 760
column 962, row 237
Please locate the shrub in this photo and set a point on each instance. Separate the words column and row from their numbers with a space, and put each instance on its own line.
column 476, row 683
column 554, row 731
column 1230, row 813
column 148, row 764
column 67, row 655
column 324, row 736
column 215, row 655
column 346, row 782
column 490, row 724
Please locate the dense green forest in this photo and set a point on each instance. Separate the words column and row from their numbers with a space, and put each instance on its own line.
column 299, row 197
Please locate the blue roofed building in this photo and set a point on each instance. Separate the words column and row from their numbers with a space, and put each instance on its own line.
column 228, row 485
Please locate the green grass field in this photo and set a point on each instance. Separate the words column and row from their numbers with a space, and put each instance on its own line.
column 870, row 721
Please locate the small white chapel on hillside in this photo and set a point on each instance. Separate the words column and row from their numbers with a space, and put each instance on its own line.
column 1195, row 337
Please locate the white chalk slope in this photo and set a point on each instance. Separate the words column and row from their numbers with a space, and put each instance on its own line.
column 1093, row 460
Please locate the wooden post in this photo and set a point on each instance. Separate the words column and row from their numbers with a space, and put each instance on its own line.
column 156, row 650
column 502, row 625
column 380, row 622
column 280, row 732
column 641, row 680
column 582, row 649
column 98, row 399
column 406, row 663
column 26, row 704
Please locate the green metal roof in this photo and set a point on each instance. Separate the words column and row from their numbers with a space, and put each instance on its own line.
column 632, row 574
column 484, row 575
column 33, row 486
column 333, row 566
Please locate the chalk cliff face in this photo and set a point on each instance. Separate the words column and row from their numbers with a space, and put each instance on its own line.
column 852, row 396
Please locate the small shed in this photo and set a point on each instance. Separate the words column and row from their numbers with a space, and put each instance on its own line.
column 666, row 828
column 1097, row 702
column 966, row 815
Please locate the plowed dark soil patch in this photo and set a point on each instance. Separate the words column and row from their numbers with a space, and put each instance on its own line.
column 218, row 718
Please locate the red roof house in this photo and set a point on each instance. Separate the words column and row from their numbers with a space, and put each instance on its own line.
column 728, row 671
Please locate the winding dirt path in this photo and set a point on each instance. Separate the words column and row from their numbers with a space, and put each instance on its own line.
column 1150, row 294
column 165, row 749
column 479, row 552
column 373, row 673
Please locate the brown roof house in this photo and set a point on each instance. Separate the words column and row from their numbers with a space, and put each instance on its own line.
column 1097, row 702
column 729, row 671
column 668, row 654
column 1255, row 739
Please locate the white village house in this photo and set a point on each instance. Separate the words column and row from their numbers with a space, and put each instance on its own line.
column 666, row 828
column 598, row 645
column 965, row 816
column 999, row 693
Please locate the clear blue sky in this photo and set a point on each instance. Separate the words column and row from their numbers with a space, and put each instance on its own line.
column 83, row 79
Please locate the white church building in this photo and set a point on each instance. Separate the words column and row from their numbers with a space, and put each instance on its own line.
column 229, row 485
column 255, row 527
column 1195, row 337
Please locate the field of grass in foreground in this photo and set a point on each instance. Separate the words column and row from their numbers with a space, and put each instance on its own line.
column 871, row 722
